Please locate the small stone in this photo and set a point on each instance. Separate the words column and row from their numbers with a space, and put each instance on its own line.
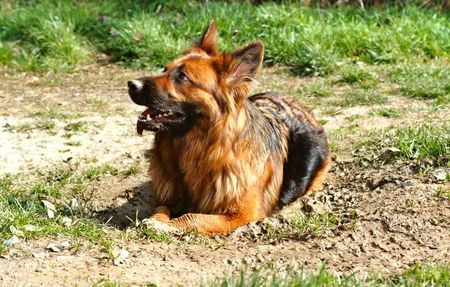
column 53, row 247
column 65, row 245
column 440, row 175
column 10, row 241
column 66, row 221
column 120, row 256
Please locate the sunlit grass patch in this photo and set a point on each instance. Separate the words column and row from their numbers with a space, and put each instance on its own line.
column 76, row 127
column 130, row 170
column 319, row 90
column 421, row 142
column 26, row 127
column 443, row 192
column 45, row 120
column 54, row 113
column 45, row 37
column 316, row 223
column 94, row 173
column 73, row 143
column 31, row 212
column 313, row 59
column 59, row 36
column 61, row 46
column 303, row 226
column 47, row 125
column 332, row 110
column 268, row 277
column 96, row 102
column 352, row 75
column 6, row 53
column 156, row 235
column 386, row 112
column 437, row 274
column 53, row 202
column 360, row 97
column 423, row 81
column 114, row 283
column 424, row 144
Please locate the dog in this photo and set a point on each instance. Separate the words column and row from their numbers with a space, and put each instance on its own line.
column 220, row 157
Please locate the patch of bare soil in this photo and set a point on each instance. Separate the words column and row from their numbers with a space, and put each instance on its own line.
column 391, row 216
column 94, row 97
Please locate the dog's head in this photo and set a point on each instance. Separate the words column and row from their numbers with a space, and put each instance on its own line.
column 202, row 84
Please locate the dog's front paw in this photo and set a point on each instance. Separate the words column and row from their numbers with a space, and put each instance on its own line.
column 157, row 225
column 161, row 213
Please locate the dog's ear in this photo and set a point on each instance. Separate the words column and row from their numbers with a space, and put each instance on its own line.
column 246, row 62
column 208, row 41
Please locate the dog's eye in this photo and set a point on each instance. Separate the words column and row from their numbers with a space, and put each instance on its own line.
column 182, row 76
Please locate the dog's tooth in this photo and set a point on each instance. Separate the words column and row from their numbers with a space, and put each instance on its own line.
column 165, row 115
column 149, row 117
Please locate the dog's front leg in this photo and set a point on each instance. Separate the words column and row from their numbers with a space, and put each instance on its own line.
column 210, row 223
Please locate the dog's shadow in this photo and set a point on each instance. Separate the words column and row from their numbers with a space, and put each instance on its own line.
column 130, row 206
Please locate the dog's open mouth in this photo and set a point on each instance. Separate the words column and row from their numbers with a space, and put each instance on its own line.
column 152, row 120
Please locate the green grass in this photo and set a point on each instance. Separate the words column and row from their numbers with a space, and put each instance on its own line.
column 156, row 235
column 60, row 35
column 97, row 102
column 355, row 76
column 315, row 223
column 304, row 225
column 437, row 275
column 73, row 143
column 39, row 124
column 54, row 113
column 427, row 145
column 423, row 81
column 115, row 283
column 95, row 173
column 424, row 141
column 49, row 200
column 443, row 192
column 76, row 127
column 360, row 97
column 386, row 112
column 44, row 119
column 417, row 275
column 319, row 90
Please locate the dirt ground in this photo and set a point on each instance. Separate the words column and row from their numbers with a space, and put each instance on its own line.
column 392, row 217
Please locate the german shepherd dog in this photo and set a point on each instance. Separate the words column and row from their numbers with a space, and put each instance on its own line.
column 222, row 158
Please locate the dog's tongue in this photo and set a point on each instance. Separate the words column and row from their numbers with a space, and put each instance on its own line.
column 139, row 129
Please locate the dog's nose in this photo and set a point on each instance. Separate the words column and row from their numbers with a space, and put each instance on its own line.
column 135, row 85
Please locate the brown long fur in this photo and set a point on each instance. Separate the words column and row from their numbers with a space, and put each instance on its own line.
column 229, row 162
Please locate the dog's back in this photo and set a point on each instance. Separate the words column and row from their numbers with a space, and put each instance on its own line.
column 308, row 158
